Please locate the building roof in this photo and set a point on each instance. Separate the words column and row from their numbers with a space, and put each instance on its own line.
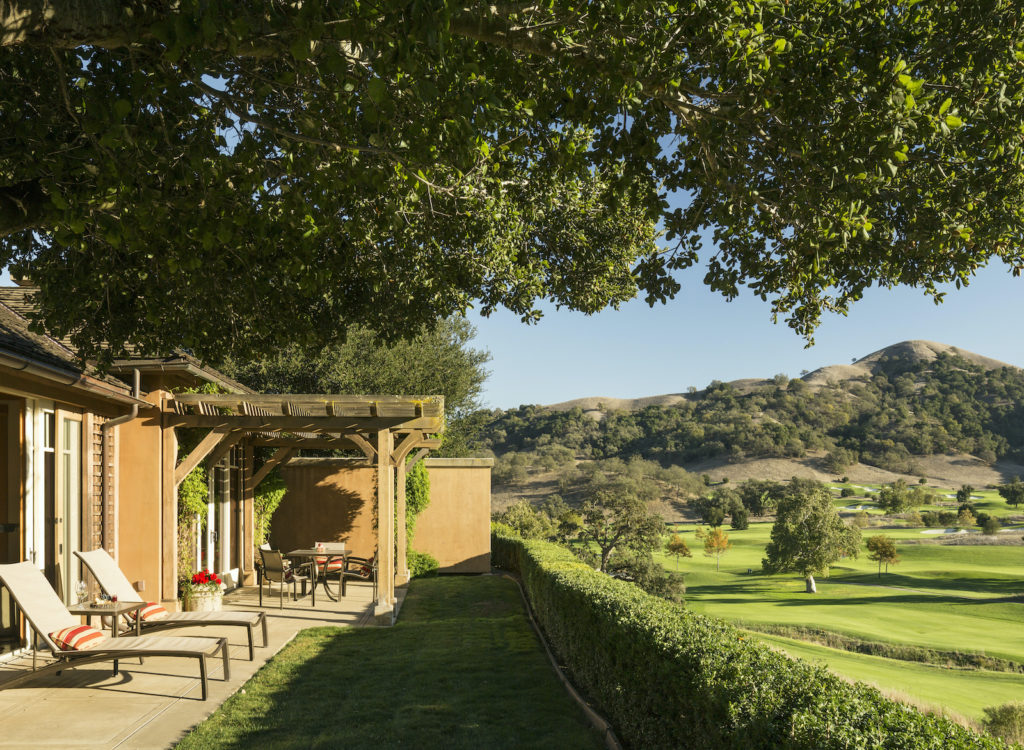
column 18, row 339
column 17, row 301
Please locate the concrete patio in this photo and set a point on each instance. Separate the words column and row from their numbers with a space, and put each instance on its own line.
column 154, row 705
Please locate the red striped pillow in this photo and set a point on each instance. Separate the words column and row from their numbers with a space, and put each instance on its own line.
column 150, row 613
column 77, row 638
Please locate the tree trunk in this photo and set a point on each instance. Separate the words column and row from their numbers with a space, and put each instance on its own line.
column 811, row 588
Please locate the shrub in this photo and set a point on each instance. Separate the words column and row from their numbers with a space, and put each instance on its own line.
column 421, row 564
column 947, row 518
column 914, row 519
column 845, row 480
column 931, row 518
column 847, row 492
column 740, row 519
column 267, row 497
column 666, row 677
column 1006, row 721
column 861, row 520
column 991, row 526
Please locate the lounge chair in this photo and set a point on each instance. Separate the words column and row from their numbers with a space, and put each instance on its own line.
column 47, row 616
column 110, row 578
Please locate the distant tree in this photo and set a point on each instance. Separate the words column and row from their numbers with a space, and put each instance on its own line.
column 676, row 547
column 861, row 520
column 716, row 543
column 714, row 516
column 808, row 535
column 963, row 495
column 847, row 492
column 1013, row 492
column 913, row 519
column 931, row 518
column 780, row 379
column 894, row 497
column 838, row 459
column 882, row 549
column 990, row 526
column 618, row 517
column 740, row 518
column 527, row 521
column 922, row 480
column 965, row 519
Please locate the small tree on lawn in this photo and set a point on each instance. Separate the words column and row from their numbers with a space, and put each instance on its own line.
column 965, row 519
column 882, row 549
column 676, row 547
column 716, row 543
column 808, row 534
column 963, row 495
column 1013, row 493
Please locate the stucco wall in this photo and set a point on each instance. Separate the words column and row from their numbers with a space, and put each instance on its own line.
column 327, row 500
column 456, row 526
column 138, row 502
column 331, row 499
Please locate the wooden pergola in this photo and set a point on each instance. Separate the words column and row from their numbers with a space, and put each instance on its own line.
column 386, row 429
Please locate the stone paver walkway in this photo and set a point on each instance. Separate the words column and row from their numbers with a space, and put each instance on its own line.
column 153, row 705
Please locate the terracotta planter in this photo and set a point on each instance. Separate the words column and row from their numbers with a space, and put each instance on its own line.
column 204, row 601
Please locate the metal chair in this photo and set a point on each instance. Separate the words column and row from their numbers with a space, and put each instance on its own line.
column 275, row 571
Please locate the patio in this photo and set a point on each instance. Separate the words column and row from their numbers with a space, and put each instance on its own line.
column 153, row 705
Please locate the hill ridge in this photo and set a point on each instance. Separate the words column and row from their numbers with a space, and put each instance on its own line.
column 901, row 354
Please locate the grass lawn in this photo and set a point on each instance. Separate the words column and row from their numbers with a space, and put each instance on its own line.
column 966, row 692
column 461, row 669
column 945, row 597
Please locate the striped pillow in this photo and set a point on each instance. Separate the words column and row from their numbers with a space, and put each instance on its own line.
column 150, row 613
column 77, row 638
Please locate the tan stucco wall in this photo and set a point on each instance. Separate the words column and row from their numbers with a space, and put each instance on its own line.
column 333, row 500
column 327, row 500
column 456, row 526
column 138, row 502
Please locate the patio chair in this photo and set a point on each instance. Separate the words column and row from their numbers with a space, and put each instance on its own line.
column 110, row 578
column 362, row 569
column 275, row 571
column 48, row 617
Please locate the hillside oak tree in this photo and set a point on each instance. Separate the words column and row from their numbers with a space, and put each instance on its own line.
column 808, row 535
column 223, row 175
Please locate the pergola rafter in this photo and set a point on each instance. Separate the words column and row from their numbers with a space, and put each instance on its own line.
column 386, row 429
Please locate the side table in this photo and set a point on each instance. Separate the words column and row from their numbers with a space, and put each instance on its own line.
column 113, row 610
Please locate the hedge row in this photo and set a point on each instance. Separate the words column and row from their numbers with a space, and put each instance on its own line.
column 668, row 678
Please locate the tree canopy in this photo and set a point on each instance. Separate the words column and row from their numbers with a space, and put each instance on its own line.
column 223, row 174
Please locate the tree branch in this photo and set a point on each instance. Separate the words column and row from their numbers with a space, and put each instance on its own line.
column 21, row 207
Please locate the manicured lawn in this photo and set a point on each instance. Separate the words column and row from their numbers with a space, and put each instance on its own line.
column 461, row 669
column 945, row 597
column 966, row 692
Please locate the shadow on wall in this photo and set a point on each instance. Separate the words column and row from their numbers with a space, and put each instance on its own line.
column 321, row 506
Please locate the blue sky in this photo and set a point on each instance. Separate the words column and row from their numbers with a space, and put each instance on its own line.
column 699, row 337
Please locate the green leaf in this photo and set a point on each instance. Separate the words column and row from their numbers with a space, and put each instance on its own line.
column 945, row 105
column 377, row 90
column 953, row 121
column 779, row 46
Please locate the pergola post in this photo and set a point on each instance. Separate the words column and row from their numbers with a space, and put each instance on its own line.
column 385, row 528
column 401, row 538
column 168, row 586
column 247, row 553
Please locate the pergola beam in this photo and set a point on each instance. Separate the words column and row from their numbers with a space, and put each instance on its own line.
column 281, row 455
column 347, row 424
column 201, row 451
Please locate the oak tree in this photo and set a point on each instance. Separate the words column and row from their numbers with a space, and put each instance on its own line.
column 808, row 534
column 224, row 175
column 1013, row 492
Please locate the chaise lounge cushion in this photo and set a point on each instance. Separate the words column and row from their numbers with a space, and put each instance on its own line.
column 152, row 612
column 77, row 638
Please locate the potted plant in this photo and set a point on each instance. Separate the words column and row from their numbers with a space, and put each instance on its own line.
column 204, row 592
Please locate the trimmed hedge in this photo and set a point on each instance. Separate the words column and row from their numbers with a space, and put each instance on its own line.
column 669, row 678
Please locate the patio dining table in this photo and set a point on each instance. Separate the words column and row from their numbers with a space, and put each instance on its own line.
column 320, row 576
